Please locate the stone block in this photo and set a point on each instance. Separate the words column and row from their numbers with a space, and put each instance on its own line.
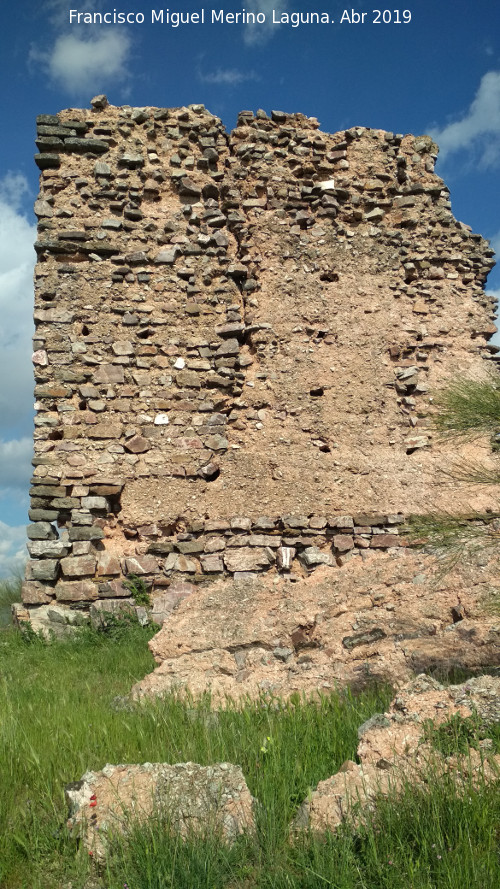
column 178, row 562
column 343, row 542
column 192, row 798
column 247, row 559
column 384, row 541
column 369, row 519
column 86, row 532
column 76, row 591
column 137, row 444
column 188, row 547
column 343, row 522
column 47, row 549
column 41, row 531
column 141, row 565
column 107, row 565
column 312, row 556
column 284, row 557
column 109, row 373
column 105, row 430
column 95, row 503
column 42, row 569
column 165, row 602
column 78, row 566
column 211, row 564
column 35, row 593
column 239, row 523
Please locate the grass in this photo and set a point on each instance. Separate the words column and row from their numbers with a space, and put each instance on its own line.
column 432, row 840
column 63, row 712
column 459, row 539
column 458, row 734
column 10, row 592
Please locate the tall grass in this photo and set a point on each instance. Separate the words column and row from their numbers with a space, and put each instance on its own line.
column 434, row 838
column 64, row 710
column 10, row 592
column 63, row 713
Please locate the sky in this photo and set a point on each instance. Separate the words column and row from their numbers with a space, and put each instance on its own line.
column 429, row 68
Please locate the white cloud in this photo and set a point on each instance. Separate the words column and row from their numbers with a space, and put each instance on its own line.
column 13, row 553
column 15, row 465
column 479, row 128
column 79, row 64
column 495, row 243
column 261, row 33
column 17, row 257
column 227, row 76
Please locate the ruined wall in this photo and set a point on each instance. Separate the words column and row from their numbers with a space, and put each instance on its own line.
column 238, row 340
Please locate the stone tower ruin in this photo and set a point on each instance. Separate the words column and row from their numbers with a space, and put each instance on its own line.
column 238, row 340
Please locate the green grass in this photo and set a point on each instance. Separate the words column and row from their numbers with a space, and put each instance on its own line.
column 63, row 712
column 460, row 733
column 10, row 592
column 425, row 840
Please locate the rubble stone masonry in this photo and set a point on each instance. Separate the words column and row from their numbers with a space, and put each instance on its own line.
column 238, row 341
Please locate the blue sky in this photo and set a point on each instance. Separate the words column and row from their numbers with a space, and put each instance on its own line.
column 439, row 73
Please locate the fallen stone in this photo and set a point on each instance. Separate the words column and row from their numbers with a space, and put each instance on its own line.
column 193, row 800
column 395, row 749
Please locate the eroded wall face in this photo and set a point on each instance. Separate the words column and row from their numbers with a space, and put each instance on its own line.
column 238, row 339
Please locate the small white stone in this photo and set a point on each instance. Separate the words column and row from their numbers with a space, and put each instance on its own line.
column 179, row 363
column 161, row 420
column 329, row 185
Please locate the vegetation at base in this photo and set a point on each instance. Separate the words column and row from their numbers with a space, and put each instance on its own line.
column 454, row 538
column 138, row 590
column 65, row 709
column 10, row 592
column 466, row 410
column 459, row 733
column 436, row 839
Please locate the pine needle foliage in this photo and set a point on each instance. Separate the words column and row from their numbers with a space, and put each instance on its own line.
column 453, row 538
column 469, row 408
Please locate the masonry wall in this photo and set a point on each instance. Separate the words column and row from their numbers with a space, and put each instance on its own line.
column 238, row 342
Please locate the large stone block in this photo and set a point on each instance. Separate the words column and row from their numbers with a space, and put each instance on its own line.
column 247, row 559
column 35, row 593
column 78, row 566
column 195, row 800
column 76, row 591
